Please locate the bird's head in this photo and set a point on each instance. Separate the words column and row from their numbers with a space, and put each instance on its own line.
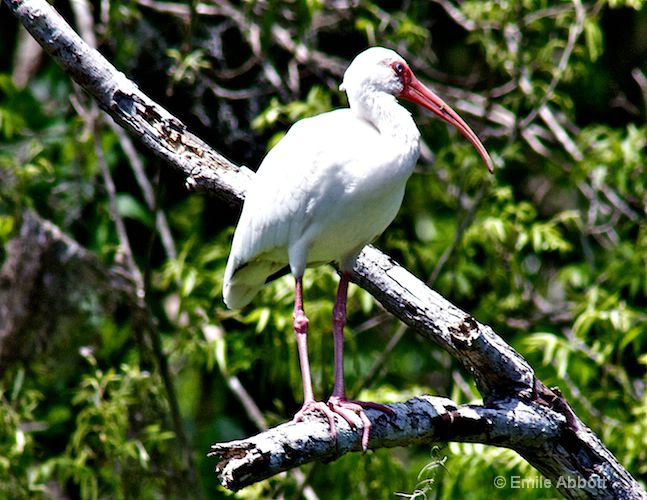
column 374, row 70
column 383, row 70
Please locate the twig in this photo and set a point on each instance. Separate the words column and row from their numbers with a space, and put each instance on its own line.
column 560, row 134
column 551, row 121
column 620, row 204
column 281, row 36
column 137, row 166
column 91, row 117
column 541, row 108
column 460, row 381
column 378, row 364
column 641, row 80
column 84, row 21
column 465, row 223
column 28, row 55
column 607, row 368
column 216, row 334
column 574, row 33
column 146, row 319
column 463, row 21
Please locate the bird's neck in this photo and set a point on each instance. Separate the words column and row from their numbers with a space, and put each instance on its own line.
column 393, row 121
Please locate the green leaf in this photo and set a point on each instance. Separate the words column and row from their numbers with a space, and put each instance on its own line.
column 130, row 207
column 594, row 40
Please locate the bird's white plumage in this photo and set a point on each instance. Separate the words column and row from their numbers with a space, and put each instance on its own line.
column 330, row 186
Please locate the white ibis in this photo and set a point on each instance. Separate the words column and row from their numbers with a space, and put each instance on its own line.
column 327, row 189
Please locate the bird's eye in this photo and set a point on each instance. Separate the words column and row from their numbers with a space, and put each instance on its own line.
column 398, row 68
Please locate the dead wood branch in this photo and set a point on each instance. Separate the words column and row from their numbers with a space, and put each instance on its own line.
column 45, row 276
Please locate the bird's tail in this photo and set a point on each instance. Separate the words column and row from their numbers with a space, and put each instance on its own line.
column 244, row 281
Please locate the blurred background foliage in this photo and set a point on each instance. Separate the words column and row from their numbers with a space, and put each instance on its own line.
column 551, row 251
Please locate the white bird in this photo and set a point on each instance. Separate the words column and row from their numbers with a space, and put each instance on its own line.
column 327, row 189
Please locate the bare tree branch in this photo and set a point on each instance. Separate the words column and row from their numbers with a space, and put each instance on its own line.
column 35, row 286
column 422, row 420
column 160, row 131
column 518, row 411
column 574, row 33
column 91, row 117
column 137, row 166
column 27, row 59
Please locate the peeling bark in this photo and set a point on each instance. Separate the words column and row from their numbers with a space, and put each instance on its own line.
column 422, row 420
column 498, row 369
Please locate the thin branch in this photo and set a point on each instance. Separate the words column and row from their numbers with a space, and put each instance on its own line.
column 462, row 20
column 28, row 55
column 465, row 223
column 250, row 30
column 574, row 33
column 620, row 204
column 91, row 117
column 460, row 381
column 560, row 133
column 137, row 166
column 641, row 80
column 125, row 250
column 146, row 319
column 375, row 369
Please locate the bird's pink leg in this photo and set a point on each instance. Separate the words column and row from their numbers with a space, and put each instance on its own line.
column 348, row 410
column 301, row 332
column 338, row 323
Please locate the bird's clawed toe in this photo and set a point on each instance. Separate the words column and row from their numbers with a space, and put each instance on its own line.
column 320, row 406
column 375, row 406
column 353, row 413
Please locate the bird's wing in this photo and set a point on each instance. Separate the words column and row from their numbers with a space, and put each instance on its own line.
column 276, row 204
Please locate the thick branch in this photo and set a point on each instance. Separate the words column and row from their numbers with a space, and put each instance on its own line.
column 46, row 275
column 499, row 370
column 159, row 130
column 422, row 420
column 538, row 433
column 504, row 378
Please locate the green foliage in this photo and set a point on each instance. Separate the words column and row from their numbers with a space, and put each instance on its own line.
column 317, row 101
column 16, row 445
column 104, row 436
column 550, row 251
column 186, row 68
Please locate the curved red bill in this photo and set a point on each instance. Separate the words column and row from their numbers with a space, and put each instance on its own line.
column 415, row 91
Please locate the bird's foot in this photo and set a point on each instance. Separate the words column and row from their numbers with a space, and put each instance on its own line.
column 313, row 406
column 353, row 413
